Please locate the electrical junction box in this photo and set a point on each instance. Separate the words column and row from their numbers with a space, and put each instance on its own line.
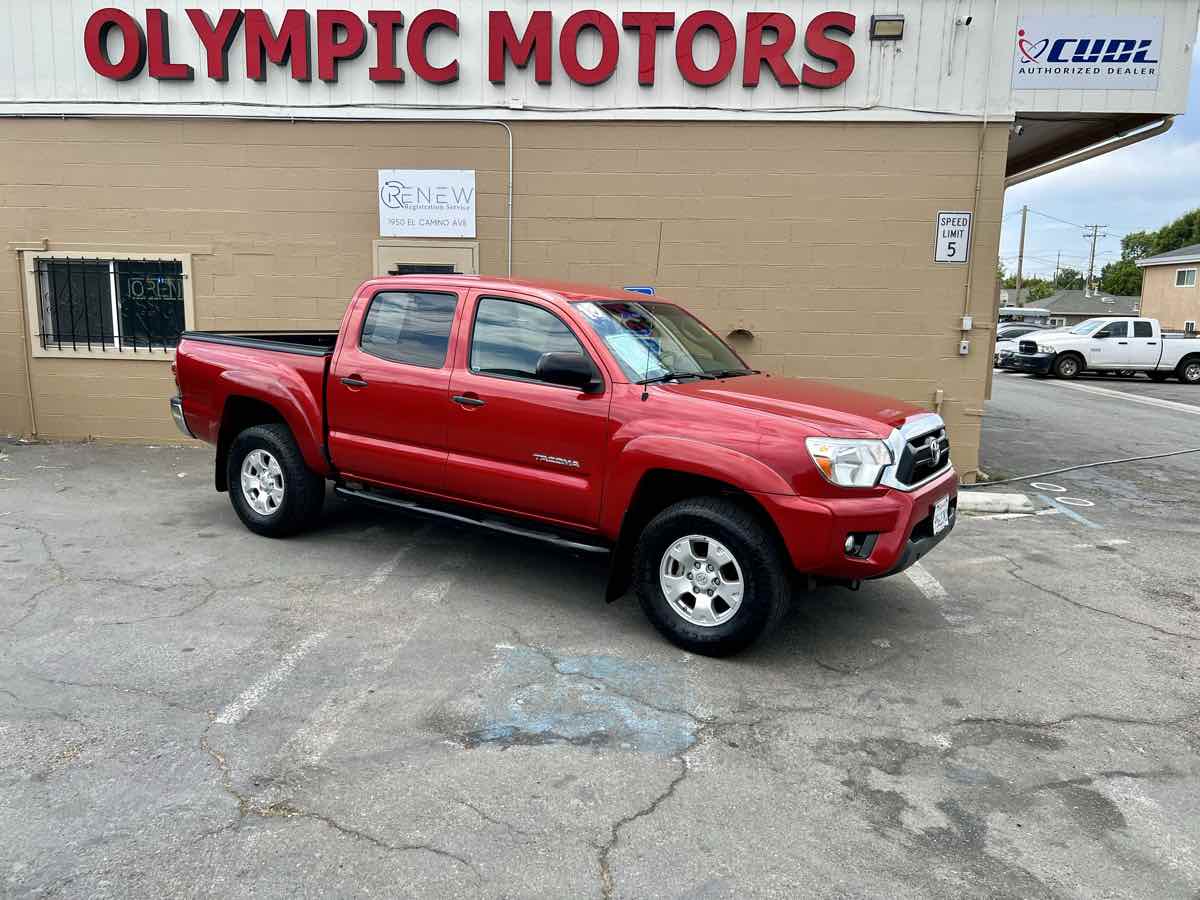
column 964, row 347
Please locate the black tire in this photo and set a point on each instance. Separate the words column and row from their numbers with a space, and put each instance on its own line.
column 1189, row 371
column 1158, row 376
column 1068, row 365
column 303, row 491
column 761, row 557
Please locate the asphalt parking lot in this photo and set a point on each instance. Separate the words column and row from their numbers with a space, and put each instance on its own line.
column 395, row 708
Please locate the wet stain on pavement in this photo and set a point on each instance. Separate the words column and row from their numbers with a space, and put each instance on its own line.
column 585, row 701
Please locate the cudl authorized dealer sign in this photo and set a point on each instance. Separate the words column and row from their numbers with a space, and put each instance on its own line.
column 1095, row 53
column 427, row 203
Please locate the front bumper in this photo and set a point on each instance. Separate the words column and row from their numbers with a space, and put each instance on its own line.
column 1003, row 360
column 177, row 415
column 815, row 531
column 1038, row 363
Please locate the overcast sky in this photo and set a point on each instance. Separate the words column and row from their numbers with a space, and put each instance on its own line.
column 1139, row 188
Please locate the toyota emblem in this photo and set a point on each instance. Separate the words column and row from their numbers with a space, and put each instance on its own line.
column 935, row 449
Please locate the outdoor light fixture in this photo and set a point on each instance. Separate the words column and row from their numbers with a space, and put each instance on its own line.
column 887, row 28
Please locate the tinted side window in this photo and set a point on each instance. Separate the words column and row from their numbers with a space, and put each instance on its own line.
column 1114, row 329
column 510, row 337
column 411, row 328
column 1143, row 329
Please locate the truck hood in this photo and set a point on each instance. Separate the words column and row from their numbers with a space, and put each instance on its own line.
column 826, row 408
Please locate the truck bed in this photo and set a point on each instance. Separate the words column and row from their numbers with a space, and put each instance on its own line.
column 309, row 343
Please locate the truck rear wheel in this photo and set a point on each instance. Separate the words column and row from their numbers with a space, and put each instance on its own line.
column 273, row 492
column 1189, row 371
column 710, row 575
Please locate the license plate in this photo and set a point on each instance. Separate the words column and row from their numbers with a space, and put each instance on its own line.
column 941, row 515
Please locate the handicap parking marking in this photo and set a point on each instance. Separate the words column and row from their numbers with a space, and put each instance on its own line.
column 1068, row 512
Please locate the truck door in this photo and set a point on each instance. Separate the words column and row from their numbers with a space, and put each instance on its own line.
column 1145, row 344
column 1110, row 347
column 386, row 397
column 517, row 442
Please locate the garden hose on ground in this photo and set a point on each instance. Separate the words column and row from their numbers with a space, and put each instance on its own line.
column 1106, row 462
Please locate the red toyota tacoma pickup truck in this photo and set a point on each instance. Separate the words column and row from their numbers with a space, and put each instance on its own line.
column 599, row 420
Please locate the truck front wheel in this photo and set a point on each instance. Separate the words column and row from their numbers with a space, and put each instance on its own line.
column 273, row 492
column 710, row 575
column 1067, row 366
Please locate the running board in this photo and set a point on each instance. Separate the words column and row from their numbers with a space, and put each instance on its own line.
column 411, row 506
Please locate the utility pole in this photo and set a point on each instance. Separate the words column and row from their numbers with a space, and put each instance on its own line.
column 1021, row 254
column 1057, row 264
column 1087, row 285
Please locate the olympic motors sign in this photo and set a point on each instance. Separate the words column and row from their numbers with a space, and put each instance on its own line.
column 1087, row 53
column 583, row 47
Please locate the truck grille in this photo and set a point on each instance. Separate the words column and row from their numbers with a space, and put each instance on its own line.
column 917, row 462
column 1028, row 346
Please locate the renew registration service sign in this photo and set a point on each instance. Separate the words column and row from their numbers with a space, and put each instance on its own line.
column 427, row 203
column 952, row 241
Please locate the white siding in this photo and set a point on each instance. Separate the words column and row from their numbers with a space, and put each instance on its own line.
column 938, row 71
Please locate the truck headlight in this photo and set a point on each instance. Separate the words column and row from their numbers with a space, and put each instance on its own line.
column 1042, row 348
column 849, row 462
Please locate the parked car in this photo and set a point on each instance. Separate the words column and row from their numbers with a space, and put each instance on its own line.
column 1108, row 344
column 596, row 420
column 1007, row 334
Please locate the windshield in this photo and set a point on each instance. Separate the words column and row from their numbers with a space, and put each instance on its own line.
column 1087, row 327
column 657, row 340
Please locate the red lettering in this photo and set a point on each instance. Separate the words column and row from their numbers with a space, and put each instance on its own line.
column 95, row 44
column 503, row 44
column 340, row 37
column 568, row 47
column 385, row 22
column 158, row 46
column 647, row 25
column 291, row 44
column 831, row 51
column 418, row 40
column 216, row 40
column 686, row 38
column 757, row 53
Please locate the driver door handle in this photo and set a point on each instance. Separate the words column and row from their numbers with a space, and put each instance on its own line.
column 462, row 400
column 1122, row 342
column 354, row 381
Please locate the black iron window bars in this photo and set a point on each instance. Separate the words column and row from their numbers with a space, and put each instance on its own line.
column 110, row 304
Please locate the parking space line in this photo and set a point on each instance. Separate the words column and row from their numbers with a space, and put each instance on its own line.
column 312, row 741
column 1134, row 398
column 926, row 583
column 253, row 695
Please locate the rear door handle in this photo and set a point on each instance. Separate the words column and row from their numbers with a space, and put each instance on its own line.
column 354, row 381
column 1122, row 342
column 1151, row 343
column 462, row 400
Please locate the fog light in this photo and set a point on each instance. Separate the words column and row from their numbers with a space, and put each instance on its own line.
column 850, row 544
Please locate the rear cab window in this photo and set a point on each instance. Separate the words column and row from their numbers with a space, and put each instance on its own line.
column 410, row 327
column 1143, row 329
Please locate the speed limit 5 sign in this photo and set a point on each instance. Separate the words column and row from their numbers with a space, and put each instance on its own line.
column 952, row 240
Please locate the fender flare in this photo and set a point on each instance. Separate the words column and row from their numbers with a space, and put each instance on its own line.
column 289, row 395
column 688, row 457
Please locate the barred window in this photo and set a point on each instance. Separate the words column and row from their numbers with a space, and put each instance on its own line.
column 98, row 304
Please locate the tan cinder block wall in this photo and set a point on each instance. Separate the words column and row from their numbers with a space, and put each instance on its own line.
column 816, row 237
column 1172, row 306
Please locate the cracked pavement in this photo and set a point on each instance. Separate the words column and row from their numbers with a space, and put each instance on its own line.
column 396, row 708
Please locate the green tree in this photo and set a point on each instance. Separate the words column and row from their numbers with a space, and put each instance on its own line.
column 1069, row 280
column 1121, row 277
column 1039, row 289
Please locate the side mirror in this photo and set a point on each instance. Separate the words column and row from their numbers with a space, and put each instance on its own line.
column 568, row 369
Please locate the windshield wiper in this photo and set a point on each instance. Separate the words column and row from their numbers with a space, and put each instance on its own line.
column 734, row 373
column 671, row 376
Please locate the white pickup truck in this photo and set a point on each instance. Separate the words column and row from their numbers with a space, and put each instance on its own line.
column 1110, row 345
